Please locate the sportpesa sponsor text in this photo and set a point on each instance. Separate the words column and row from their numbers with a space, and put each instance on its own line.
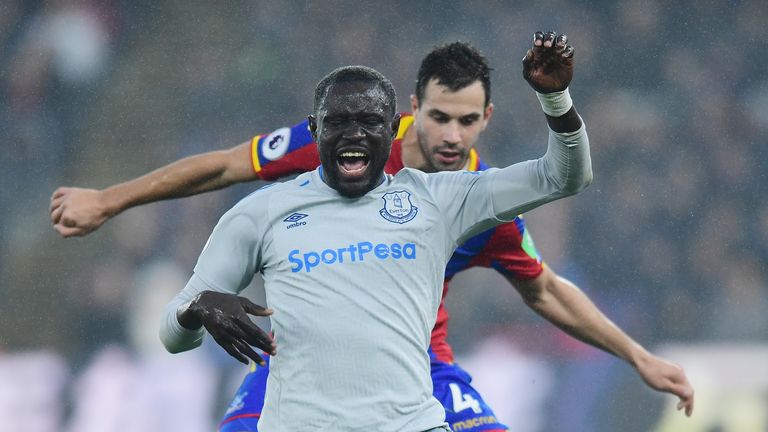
column 353, row 253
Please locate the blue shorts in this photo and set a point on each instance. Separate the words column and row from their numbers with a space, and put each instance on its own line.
column 465, row 410
column 245, row 409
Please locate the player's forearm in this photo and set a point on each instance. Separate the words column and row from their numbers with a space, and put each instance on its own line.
column 560, row 112
column 568, row 122
column 564, row 170
column 189, row 176
column 567, row 165
column 180, row 332
column 567, row 307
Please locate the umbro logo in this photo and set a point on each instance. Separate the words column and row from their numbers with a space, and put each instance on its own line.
column 295, row 220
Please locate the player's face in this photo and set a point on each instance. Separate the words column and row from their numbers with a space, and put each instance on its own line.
column 449, row 123
column 354, row 129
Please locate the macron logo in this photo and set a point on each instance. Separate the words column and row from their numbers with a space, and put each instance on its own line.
column 295, row 220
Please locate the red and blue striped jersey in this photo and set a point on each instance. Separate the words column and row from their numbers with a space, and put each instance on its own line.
column 507, row 248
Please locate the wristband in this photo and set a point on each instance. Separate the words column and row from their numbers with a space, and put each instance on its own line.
column 555, row 104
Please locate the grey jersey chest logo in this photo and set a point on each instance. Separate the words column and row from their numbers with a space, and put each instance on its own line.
column 295, row 220
column 398, row 207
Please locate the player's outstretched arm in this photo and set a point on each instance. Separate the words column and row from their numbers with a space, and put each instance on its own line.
column 78, row 212
column 563, row 304
column 566, row 167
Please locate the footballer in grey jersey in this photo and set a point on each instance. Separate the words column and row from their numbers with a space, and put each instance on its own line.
column 355, row 283
column 353, row 262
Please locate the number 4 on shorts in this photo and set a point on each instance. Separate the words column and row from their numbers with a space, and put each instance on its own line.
column 463, row 401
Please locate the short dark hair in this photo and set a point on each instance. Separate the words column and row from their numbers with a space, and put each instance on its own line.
column 352, row 74
column 455, row 65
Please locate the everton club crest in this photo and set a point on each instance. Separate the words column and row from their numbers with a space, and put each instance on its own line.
column 398, row 207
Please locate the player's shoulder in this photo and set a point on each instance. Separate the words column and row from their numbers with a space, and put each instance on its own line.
column 261, row 197
column 409, row 173
column 411, row 176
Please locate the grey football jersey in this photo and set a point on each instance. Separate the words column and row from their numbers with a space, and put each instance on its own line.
column 356, row 283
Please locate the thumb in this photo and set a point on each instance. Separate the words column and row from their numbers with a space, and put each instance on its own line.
column 528, row 57
column 59, row 192
column 254, row 309
column 66, row 231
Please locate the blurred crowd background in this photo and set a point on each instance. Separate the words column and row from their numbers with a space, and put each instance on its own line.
column 671, row 239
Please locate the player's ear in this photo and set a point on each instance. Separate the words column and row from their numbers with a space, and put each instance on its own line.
column 395, row 125
column 487, row 113
column 414, row 103
column 312, row 126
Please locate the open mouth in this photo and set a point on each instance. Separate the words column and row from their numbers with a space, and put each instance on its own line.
column 352, row 163
column 448, row 157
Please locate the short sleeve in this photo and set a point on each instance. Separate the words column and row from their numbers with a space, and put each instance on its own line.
column 511, row 251
column 285, row 151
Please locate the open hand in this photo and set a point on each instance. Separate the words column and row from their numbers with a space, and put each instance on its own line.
column 548, row 65
column 667, row 377
column 225, row 316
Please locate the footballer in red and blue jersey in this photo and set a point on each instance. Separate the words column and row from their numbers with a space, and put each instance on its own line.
column 507, row 248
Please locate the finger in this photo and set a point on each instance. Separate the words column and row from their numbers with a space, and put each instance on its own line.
column 59, row 192
column 231, row 350
column 561, row 40
column 56, row 214
column 249, row 352
column 685, row 393
column 527, row 59
column 227, row 343
column 567, row 52
column 254, row 309
column 687, row 406
column 243, row 328
column 679, row 382
column 549, row 39
column 538, row 39
column 56, row 202
column 257, row 337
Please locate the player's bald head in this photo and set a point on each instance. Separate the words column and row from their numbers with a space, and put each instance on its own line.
column 362, row 74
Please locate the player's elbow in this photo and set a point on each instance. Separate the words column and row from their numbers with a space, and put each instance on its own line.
column 577, row 181
column 540, row 290
column 533, row 298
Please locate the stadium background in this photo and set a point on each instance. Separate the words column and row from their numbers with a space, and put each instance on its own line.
column 671, row 240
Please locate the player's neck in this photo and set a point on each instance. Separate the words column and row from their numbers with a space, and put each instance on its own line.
column 411, row 151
